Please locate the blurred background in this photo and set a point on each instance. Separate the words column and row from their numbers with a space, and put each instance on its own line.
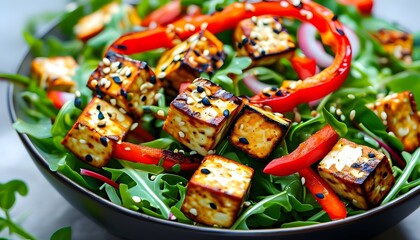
column 43, row 210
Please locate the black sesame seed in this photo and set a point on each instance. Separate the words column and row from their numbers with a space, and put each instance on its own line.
column 121, row 47
column 253, row 43
column 226, row 112
column 212, row 205
column 101, row 116
column 152, row 79
column 78, row 102
column 273, row 89
column 319, row 195
column 275, row 30
column 279, row 93
column 197, row 53
column 371, row 155
column 102, row 124
column 243, row 140
column 205, row 171
column 245, row 41
column 120, row 64
column 239, row 45
column 116, row 79
column 144, row 98
column 89, row 158
column 219, row 9
column 206, row 102
column 335, row 17
column 355, row 165
column 205, row 66
column 263, row 52
column 340, row 31
column 123, row 93
column 200, row 89
column 104, row 141
column 128, row 74
column 267, row 94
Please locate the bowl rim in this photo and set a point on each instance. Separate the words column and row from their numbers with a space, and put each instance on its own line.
column 36, row 155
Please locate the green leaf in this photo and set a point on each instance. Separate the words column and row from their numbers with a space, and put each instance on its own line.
column 339, row 127
column 62, row 234
column 40, row 129
column 8, row 193
column 180, row 216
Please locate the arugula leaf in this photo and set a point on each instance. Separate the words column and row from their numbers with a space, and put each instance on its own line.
column 62, row 234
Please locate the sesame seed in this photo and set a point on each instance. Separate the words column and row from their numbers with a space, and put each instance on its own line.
column 106, row 70
column 193, row 211
column 182, row 151
column 340, row 31
column 267, row 108
column 213, row 206
column 161, row 75
column 243, row 140
column 211, row 151
column 247, row 203
column 136, row 199
column 115, row 65
column 319, row 195
column 204, row 25
column 193, row 152
column 206, row 102
column 352, row 114
column 82, row 141
column 181, row 134
column 102, row 123
column 190, row 100
column 177, row 58
column 206, row 52
column 106, row 61
column 342, row 117
column 161, row 113
column 127, row 148
column 81, row 126
column 107, row 84
column 338, row 111
column 103, row 81
column 384, row 115
column 77, row 93
column 113, row 101
column 122, row 110
column 104, row 141
column 100, row 115
column 116, row 79
column 302, row 180
column 284, row 4
column 371, row 155
column 134, row 126
column 249, row 7
column 226, row 113
column 205, row 171
column 351, row 96
column 89, row 158
column 254, row 19
column 181, row 123
column 176, row 150
column 152, row 79
column 200, row 89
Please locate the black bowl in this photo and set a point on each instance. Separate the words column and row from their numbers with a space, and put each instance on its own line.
column 129, row 224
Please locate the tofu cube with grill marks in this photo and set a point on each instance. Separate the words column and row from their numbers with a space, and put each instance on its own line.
column 397, row 43
column 263, row 39
column 216, row 191
column 99, row 127
column 55, row 73
column 399, row 114
column 358, row 173
column 202, row 52
column 257, row 131
column 126, row 83
column 92, row 24
column 201, row 115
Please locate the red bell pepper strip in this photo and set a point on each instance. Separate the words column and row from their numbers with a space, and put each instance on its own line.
column 323, row 194
column 164, row 15
column 147, row 155
column 58, row 98
column 304, row 67
column 363, row 6
column 98, row 176
column 308, row 152
column 293, row 92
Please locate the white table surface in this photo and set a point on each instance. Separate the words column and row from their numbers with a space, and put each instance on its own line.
column 43, row 210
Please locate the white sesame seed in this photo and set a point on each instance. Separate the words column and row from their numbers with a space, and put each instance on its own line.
column 352, row 114
column 267, row 108
column 193, row 211
column 384, row 115
column 181, row 123
column 342, row 117
column 296, row 2
column 249, row 7
column 106, row 70
column 193, row 152
column 122, row 110
column 190, row 100
column 177, row 57
column 351, row 96
column 77, row 93
column 302, row 180
column 94, row 82
column 284, row 4
column 113, row 101
column 206, row 52
column 103, row 81
column 182, row 151
column 204, row 25
column 172, row 217
column 176, row 150
column 82, row 141
column 160, row 113
column 158, row 96
column 338, row 111
column 127, row 148
column 181, row 134
column 402, row 132
column 107, row 84
column 247, row 203
column 254, row 19
column 134, row 126
column 136, row 199
column 153, row 177
column 161, row 75
column 106, row 61
column 211, row 151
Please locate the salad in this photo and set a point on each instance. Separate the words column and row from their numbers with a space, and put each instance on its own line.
column 117, row 101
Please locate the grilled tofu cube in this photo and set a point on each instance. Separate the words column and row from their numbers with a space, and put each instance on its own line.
column 202, row 52
column 399, row 114
column 92, row 24
column 126, row 83
column 55, row 73
column 257, row 131
column 263, row 39
column 358, row 173
column 96, row 131
column 201, row 115
column 216, row 191
column 397, row 43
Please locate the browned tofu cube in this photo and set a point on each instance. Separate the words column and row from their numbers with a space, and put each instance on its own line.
column 126, row 83
column 263, row 39
column 217, row 190
column 257, row 131
column 202, row 52
column 399, row 114
column 92, row 24
column 358, row 173
column 55, row 73
column 96, row 131
column 397, row 43
column 201, row 115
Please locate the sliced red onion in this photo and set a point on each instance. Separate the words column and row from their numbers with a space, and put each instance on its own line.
column 254, row 84
column 313, row 48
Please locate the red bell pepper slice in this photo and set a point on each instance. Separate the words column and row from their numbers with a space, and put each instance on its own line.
column 58, row 98
column 304, row 67
column 308, row 152
column 294, row 92
column 363, row 6
column 164, row 15
column 323, row 194
column 147, row 155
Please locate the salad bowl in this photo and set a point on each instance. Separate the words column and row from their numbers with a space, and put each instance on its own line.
column 129, row 224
